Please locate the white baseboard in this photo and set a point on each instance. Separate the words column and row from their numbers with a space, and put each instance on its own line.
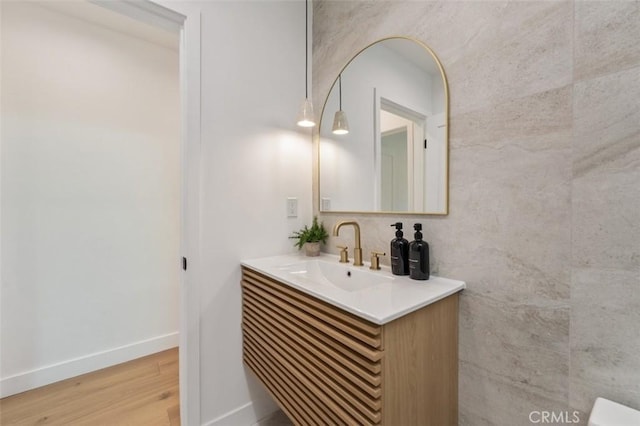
column 246, row 415
column 243, row 415
column 85, row 364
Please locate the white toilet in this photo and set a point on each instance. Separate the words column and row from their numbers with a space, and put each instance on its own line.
column 609, row 413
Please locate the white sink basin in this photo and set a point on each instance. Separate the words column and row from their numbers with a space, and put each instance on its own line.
column 377, row 296
column 341, row 275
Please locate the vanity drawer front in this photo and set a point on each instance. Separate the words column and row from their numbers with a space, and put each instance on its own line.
column 311, row 356
column 334, row 320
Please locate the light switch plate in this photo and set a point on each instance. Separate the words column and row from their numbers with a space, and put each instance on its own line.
column 292, row 207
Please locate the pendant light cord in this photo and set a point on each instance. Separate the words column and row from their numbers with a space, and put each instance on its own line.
column 306, row 49
column 340, row 89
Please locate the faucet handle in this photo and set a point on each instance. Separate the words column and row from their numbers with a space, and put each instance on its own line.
column 344, row 254
column 375, row 260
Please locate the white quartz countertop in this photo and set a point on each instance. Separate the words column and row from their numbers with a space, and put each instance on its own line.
column 391, row 296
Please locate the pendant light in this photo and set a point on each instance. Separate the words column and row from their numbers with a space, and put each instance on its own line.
column 340, row 123
column 306, row 118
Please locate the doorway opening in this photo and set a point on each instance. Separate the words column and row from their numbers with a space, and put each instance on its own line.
column 91, row 207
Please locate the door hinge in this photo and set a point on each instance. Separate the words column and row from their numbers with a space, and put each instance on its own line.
column 184, row 263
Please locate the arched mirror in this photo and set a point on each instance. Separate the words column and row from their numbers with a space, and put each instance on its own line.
column 394, row 158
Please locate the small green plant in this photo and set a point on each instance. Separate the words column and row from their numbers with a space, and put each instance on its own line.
column 316, row 233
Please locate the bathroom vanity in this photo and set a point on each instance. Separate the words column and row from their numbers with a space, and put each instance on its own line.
column 338, row 344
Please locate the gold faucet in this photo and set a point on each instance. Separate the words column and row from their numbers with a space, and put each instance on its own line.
column 357, row 251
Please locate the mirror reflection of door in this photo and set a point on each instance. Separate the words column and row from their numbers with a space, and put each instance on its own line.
column 394, row 169
column 403, row 159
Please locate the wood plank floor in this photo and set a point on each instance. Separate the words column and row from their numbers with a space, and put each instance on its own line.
column 137, row 393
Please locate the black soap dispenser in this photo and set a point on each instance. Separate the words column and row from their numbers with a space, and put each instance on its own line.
column 418, row 256
column 399, row 252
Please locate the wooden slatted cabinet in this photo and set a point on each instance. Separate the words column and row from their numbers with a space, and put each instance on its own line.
column 326, row 366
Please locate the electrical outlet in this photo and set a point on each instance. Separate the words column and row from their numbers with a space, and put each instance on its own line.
column 292, row 207
column 326, row 204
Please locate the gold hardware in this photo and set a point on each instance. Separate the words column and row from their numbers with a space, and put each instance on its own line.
column 357, row 251
column 344, row 254
column 375, row 260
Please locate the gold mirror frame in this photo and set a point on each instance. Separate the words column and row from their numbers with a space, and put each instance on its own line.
column 446, row 134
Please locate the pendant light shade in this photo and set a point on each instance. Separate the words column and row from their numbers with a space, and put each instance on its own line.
column 340, row 123
column 306, row 117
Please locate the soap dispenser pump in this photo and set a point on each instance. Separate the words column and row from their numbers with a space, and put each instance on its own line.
column 418, row 256
column 399, row 252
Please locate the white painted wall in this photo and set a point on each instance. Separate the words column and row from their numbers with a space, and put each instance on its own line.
column 252, row 158
column 435, row 163
column 90, row 196
column 255, row 157
column 438, row 100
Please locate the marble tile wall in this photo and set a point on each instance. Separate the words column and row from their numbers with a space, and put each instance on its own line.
column 544, row 222
column 605, row 281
